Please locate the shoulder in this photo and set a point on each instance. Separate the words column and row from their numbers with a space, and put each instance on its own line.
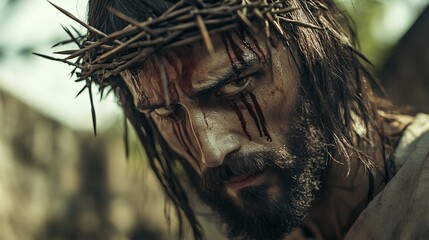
column 401, row 210
column 413, row 140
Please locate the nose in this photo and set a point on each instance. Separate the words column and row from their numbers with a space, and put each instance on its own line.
column 212, row 136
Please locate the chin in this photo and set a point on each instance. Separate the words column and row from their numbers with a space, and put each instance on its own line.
column 268, row 210
column 273, row 206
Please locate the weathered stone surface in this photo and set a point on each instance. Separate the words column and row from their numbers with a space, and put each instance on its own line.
column 58, row 183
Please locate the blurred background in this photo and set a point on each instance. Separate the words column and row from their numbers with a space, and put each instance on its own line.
column 58, row 181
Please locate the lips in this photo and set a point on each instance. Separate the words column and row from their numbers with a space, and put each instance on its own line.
column 237, row 183
column 236, row 173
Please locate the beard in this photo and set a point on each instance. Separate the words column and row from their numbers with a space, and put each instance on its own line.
column 294, row 172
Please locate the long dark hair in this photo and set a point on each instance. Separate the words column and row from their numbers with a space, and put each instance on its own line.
column 334, row 78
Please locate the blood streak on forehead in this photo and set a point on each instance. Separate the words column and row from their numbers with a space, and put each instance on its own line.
column 195, row 66
column 145, row 83
column 183, row 62
column 189, row 66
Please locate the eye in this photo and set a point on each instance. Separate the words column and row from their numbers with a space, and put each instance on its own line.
column 233, row 87
column 166, row 112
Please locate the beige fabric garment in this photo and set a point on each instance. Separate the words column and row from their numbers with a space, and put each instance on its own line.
column 401, row 210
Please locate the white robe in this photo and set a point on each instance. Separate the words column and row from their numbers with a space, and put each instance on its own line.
column 401, row 209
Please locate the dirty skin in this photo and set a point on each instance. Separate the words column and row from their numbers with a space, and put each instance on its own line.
column 254, row 111
column 248, row 100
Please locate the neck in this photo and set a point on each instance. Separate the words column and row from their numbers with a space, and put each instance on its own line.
column 338, row 205
column 345, row 194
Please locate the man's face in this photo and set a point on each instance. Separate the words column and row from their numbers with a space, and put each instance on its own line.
column 238, row 116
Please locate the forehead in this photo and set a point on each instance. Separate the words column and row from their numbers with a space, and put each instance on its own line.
column 191, row 67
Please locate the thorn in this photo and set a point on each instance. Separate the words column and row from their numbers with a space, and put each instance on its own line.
column 72, row 38
column 77, row 32
column 163, row 78
column 94, row 119
column 68, row 14
column 126, row 138
column 131, row 21
column 62, row 43
column 109, row 91
column 101, row 93
column 275, row 24
column 205, row 34
column 120, row 47
column 58, row 60
column 81, row 91
column 66, row 52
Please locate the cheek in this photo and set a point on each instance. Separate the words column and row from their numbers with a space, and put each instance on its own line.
column 280, row 98
column 179, row 140
column 285, row 100
column 171, row 134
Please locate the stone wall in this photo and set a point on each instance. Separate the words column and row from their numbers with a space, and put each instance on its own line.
column 58, row 183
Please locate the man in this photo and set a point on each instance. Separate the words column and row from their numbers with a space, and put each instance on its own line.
column 267, row 108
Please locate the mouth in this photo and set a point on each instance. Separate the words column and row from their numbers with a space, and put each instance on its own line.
column 238, row 183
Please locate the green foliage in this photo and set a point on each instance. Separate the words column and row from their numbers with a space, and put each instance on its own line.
column 381, row 23
column 365, row 14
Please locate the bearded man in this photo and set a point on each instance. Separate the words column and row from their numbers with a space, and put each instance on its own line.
column 268, row 108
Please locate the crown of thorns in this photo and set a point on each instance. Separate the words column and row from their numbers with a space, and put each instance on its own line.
column 100, row 56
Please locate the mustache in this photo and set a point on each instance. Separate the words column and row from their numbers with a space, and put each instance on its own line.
column 238, row 165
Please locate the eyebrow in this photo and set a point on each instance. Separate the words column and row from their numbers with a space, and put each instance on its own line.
column 235, row 72
column 249, row 62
